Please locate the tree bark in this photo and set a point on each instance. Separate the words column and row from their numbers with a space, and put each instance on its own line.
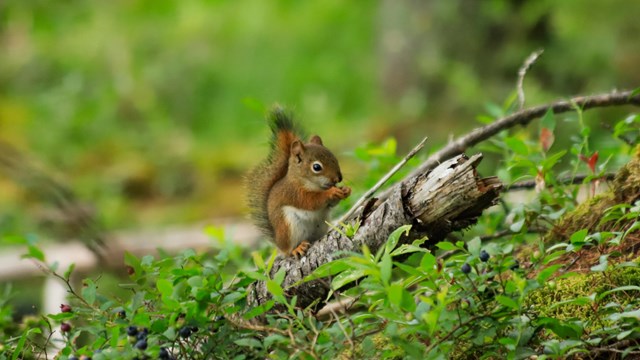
column 449, row 198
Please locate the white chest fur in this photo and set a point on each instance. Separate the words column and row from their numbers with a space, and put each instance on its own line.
column 305, row 224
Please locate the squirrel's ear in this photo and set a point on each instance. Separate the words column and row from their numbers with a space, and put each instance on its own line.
column 315, row 139
column 297, row 148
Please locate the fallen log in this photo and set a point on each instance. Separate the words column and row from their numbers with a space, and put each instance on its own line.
column 448, row 198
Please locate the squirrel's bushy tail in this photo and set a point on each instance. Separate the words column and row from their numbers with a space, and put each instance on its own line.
column 264, row 176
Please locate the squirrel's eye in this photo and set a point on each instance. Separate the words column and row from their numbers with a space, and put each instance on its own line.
column 316, row 167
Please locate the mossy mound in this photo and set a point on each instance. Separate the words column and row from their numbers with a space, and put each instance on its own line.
column 626, row 185
column 593, row 215
column 544, row 302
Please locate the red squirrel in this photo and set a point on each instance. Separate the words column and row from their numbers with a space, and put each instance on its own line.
column 292, row 191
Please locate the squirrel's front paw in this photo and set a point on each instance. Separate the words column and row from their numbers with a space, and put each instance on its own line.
column 339, row 193
column 346, row 191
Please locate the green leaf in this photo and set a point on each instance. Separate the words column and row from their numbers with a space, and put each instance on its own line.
column 560, row 328
column 394, row 294
column 428, row 262
column 19, row 346
column 508, row 302
column 393, row 239
column 581, row 300
column 624, row 334
column 328, row 269
column 474, row 245
column 279, row 276
column 547, row 272
column 548, row 121
column 620, row 288
column 275, row 338
column 89, row 291
column 258, row 310
column 408, row 269
column 132, row 261
column 249, row 342
column 67, row 274
column 447, row 246
column 165, row 287
column 551, row 160
column 634, row 314
column 385, row 268
column 195, row 281
column 347, row 277
column 34, row 253
column 256, row 275
column 517, row 146
column 578, row 236
column 602, row 266
column 406, row 249
column 258, row 260
column 274, row 288
column 517, row 226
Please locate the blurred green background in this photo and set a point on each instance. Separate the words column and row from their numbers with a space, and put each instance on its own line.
column 152, row 110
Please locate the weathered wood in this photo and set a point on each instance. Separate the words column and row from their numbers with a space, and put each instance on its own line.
column 449, row 198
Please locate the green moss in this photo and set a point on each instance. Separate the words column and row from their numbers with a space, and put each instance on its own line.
column 627, row 181
column 587, row 215
column 377, row 346
column 625, row 189
column 543, row 300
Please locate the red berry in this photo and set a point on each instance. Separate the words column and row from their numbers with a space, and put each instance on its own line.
column 65, row 308
column 65, row 327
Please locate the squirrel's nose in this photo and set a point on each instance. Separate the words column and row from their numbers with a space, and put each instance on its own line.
column 339, row 177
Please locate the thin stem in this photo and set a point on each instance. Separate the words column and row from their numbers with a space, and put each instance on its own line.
column 566, row 180
column 382, row 181
column 522, row 72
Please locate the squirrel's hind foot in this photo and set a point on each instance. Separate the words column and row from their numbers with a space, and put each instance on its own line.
column 301, row 249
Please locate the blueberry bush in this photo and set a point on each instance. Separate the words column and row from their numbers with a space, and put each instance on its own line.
column 551, row 272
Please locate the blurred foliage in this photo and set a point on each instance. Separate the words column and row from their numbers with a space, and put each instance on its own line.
column 151, row 111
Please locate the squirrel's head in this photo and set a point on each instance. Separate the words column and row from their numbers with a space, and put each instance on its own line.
column 314, row 164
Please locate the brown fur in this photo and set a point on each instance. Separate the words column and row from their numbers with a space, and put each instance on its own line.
column 287, row 196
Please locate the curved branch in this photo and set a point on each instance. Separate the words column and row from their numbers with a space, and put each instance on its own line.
column 565, row 180
column 522, row 117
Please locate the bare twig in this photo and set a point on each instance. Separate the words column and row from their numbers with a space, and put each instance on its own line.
column 382, row 181
column 566, row 180
column 242, row 324
column 522, row 72
column 454, row 330
column 522, row 117
column 507, row 232
column 344, row 331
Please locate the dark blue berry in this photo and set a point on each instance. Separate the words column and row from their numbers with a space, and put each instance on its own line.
column 73, row 358
column 185, row 332
column 122, row 314
column 141, row 344
column 142, row 336
column 164, row 354
column 132, row 331
column 484, row 256
column 194, row 329
column 466, row 268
